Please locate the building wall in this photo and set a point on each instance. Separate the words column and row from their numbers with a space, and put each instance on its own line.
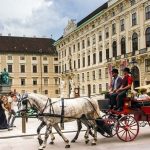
column 94, row 28
column 16, row 75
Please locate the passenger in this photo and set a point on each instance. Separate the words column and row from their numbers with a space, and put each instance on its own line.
column 122, row 91
column 142, row 100
column 115, row 85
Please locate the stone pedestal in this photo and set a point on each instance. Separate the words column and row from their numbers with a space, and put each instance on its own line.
column 5, row 89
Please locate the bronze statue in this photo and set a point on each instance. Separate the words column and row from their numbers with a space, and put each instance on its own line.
column 5, row 77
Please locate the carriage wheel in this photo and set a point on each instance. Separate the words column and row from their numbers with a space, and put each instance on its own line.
column 127, row 128
column 109, row 119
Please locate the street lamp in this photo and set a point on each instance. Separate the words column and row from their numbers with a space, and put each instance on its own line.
column 40, row 51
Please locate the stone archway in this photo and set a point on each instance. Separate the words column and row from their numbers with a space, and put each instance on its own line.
column 136, row 76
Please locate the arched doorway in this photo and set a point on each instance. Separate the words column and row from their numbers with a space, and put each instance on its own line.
column 136, row 76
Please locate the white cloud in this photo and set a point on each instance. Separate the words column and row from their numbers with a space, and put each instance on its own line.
column 42, row 17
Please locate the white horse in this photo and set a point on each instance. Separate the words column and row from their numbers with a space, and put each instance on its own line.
column 85, row 109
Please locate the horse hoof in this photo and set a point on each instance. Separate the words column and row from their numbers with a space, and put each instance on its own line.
column 67, row 146
column 93, row 144
column 51, row 143
column 73, row 141
column 86, row 142
column 40, row 141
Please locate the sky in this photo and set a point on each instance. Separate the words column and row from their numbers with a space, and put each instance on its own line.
column 42, row 18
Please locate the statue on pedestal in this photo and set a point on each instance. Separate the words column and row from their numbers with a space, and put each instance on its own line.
column 5, row 77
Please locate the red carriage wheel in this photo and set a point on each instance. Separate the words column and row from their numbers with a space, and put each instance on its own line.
column 111, row 120
column 127, row 128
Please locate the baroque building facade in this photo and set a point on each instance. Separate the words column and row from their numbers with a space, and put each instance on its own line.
column 32, row 64
column 117, row 34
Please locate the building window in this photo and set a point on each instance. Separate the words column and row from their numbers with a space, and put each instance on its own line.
column 9, row 68
column 74, row 64
column 107, row 87
column 78, row 77
column 106, row 72
column 123, row 46
column 107, row 53
column 10, row 81
column 22, row 57
column 45, row 58
column 34, row 81
column 56, row 59
column 83, row 62
column 74, row 48
column 100, row 36
column 82, row 77
column 83, row 44
column 113, row 29
column 78, row 46
column 83, row 90
column 100, row 88
column 46, row 92
column 46, row 81
column 122, row 27
column 94, row 75
column 94, row 58
column 100, row 56
column 100, row 74
column 147, row 65
column 33, row 58
column 147, row 34
column 94, row 88
column 88, row 76
column 45, row 69
column 69, row 50
column 94, row 40
column 121, row 7
column 56, row 69
column 114, row 47
column 88, row 41
column 9, row 57
column 147, row 12
column 56, row 81
column 34, row 67
column 134, row 19
column 22, row 68
column 22, row 81
column 89, row 60
column 132, row 2
column 107, row 32
column 56, row 91
column 134, row 42
column 79, row 63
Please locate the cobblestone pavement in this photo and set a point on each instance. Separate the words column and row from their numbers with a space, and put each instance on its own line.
column 30, row 142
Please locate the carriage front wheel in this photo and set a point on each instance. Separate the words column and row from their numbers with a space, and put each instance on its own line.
column 127, row 128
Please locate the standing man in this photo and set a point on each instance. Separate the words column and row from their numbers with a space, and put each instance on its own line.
column 12, row 114
column 122, row 91
column 115, row 85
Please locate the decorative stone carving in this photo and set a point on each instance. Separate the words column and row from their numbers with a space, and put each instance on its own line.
column 70, row 27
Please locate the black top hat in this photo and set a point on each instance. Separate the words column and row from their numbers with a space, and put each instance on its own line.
column 115, row 71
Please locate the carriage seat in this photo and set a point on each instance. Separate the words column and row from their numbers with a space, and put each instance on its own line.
column 146, row 109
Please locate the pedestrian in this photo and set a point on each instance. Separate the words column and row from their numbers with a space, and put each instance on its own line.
column 3, row 120
column 12, row 113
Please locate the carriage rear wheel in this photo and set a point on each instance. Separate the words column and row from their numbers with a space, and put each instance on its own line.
column 127, row 128
column 111, row 120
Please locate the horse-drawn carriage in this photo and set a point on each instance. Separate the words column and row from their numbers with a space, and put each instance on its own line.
column 125, row 124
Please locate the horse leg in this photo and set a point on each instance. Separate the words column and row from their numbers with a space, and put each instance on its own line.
column 38, row 132
column 61, row 134
column 95, row 135
column 52, row 135
column 79, row 125
column 45, row 138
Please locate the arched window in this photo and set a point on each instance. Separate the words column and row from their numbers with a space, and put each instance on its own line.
column 114, row 46
column 147, row 34
column 134, row 42
column 123, row 46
